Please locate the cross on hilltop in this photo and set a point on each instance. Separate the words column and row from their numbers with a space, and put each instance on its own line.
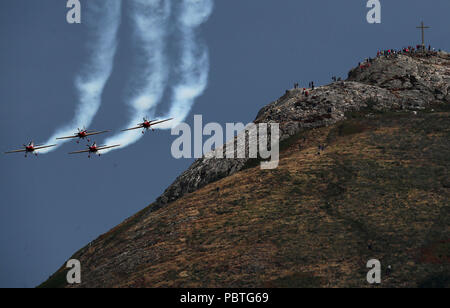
column 423, row 27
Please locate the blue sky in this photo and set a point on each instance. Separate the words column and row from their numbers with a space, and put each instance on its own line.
column 55, row 204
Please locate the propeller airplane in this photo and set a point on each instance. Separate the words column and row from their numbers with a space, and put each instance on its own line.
column 83, row 134
column 31, row 148
column 94, row 149
column 146, row 125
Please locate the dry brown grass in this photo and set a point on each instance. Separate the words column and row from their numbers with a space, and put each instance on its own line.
column 307, row 223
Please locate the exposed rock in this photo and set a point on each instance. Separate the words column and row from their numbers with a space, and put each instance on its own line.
column 391, row 83
column 315, row 220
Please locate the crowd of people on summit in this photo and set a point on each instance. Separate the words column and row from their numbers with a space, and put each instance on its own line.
column 388, row 53
column 406, row 50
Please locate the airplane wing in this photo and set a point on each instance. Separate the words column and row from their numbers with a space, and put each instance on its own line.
column 159, row 122
column 45, row 146
column 17, row 151
column 138, row 127
column 79, row 152
column 98, row 133
column 108, row 147
column 71, row 137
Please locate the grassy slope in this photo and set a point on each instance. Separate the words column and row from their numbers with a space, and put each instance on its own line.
column 382, row 181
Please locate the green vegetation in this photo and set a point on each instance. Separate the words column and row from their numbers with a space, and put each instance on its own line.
column 297, row 280
column 284, row 145
column 379, row 190
column 438, row 281
column 57, row 281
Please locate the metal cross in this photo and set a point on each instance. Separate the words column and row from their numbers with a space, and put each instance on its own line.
column 423, row 27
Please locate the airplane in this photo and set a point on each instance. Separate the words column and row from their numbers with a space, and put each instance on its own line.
column 94, row 149
column 82, row 134
column 31, row 148
column 146, row 125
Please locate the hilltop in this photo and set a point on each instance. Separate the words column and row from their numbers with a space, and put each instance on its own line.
column 379, row 190
column 404, row 82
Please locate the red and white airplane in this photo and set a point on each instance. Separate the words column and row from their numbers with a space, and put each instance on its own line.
column 94, row 149
column 31, row 148
column 82, row 134
column 146, row 125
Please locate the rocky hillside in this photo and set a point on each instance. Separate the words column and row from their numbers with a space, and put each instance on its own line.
column 401, row 82
column 379, row 190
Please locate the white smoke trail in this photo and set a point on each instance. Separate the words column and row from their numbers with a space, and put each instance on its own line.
column 194, row 65
column 151, row 19
column 193, row 73
column 104, row 20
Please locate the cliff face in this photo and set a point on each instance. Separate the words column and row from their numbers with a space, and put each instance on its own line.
column 379, row 190
column 402, row 82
